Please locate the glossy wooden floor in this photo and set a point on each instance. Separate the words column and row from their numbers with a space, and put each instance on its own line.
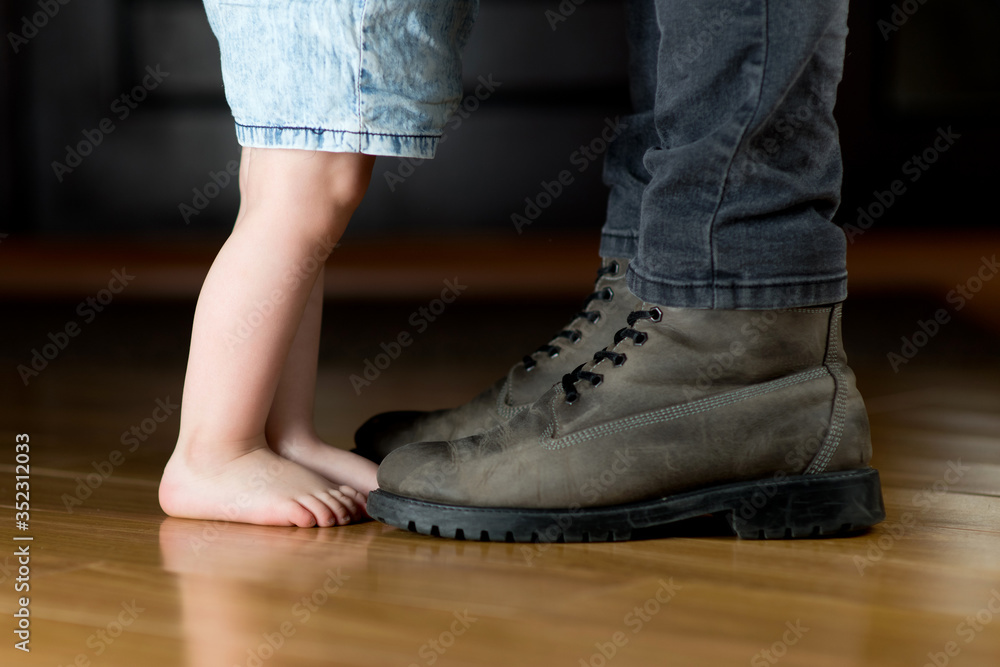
column 114, row 582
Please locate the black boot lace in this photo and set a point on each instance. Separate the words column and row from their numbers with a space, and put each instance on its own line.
column 575, row 335
column 617, row 358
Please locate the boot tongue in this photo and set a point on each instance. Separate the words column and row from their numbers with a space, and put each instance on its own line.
column 525, row 386
column 609, row 275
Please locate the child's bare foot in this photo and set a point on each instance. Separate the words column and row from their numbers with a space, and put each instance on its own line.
column 337, row 465
column 252, row 484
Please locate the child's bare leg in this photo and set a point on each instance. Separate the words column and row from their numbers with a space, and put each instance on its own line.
column 290, row 426
column 295, row 206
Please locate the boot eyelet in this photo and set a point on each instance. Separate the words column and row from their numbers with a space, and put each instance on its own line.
column 620, row 360
column 553, row 354
column 571, row 398
column 595, row 318
column 655, row 314
column 597, row 381
column 614, row 268
column 607, row 294
column 641, row 338
column 576, row 337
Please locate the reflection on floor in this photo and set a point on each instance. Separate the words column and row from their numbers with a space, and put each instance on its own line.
column 114, row 582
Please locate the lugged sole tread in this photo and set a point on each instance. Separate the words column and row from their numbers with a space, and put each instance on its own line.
column 813, row 506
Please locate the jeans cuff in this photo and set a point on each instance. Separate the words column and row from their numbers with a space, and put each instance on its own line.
column 738, row 297
column 613, row 245
column 337, row 141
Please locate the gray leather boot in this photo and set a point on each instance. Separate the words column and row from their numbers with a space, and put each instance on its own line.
column 752, row 415
column 603, row 313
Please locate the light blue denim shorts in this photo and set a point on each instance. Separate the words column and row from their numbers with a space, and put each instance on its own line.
column 355, row 76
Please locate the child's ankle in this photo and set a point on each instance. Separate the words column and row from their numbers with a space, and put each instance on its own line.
column 293, row 442
column 201, row 447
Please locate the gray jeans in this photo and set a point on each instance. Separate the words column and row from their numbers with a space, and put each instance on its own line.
column 725, row 180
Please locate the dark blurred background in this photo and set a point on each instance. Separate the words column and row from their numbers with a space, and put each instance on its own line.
column 913, row 69
column 941, row 68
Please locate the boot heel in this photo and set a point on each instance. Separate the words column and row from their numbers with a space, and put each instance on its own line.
column 809, row 505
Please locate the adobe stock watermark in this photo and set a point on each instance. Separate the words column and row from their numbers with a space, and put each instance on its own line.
column 233, row 511
column 212, row 188
column 923, row 500
column 420, row 320
column 406, row 166
column 30, row 26
column 434, row 648
column 927, row 329
column 970, row 628
column 136, row 434
column 272, row 642
column 581, row 159
column 635, row 620
column 592, row 490
column 58, row 341
column 898, row 17
column 435, row 478
column 797, row 458
column 264, row 308
column 101, row 640
column 121, row 108
column 720, row 362
column 779, row 649
column 771, row 138
column 562, row 12
column 914, row 168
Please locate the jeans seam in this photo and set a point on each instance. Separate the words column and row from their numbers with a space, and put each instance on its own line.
column 732, row 157
column 361, row 62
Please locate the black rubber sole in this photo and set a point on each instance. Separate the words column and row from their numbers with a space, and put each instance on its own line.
column 796, row 506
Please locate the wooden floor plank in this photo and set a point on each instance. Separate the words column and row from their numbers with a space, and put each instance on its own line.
column 212, row 593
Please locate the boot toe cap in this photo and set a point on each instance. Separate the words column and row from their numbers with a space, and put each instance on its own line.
column 419, row 470
column 385, row 432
